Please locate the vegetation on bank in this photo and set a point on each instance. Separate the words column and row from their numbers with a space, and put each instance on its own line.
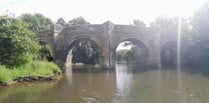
column 35, row 68
column 21, row 55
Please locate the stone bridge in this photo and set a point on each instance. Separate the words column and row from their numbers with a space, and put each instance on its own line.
column 106, row 37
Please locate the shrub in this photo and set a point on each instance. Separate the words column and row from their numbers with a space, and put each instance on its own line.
column 17, row 42
column 5, row 75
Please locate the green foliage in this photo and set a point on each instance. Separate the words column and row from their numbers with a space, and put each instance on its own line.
column 132, row 55
column 17, row 42
column 200, row 36
column 194, row 37
column 165, row 24
column 121, row 54
column 37, row 22
column 5, row 75
column 35, row 68
column 169, row 55
column 18, row 49
column 46, row 52
column 85, row 52
column 139, row 23
column 136, row 54
column 78, row 21
column 38, row 68
column 61, row 21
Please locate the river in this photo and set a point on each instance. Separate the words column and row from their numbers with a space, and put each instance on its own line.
column 126, row 84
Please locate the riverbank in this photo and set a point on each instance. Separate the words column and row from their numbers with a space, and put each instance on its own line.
column 33, row 71
column 31, row 79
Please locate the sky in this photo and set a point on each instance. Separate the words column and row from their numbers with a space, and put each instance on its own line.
column 99, row 11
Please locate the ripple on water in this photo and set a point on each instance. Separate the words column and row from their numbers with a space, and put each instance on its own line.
column 90, row 100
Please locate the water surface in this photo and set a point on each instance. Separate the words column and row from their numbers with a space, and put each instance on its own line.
column 124, row 85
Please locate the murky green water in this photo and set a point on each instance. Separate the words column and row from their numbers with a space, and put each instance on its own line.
column 125, row 85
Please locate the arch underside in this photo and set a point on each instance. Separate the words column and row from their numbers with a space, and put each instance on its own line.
column 69, row 47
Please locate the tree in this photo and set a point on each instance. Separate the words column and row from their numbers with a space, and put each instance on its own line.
column 78, row 21
column 199, row 49
column 165, row 24
column 134, row 54
column 45, row 51
column 61, row 21
column 85, row 52
column 121, row 54
column 169, row 26
column 17, row 42
column 37, row 22
column 139, row 23
column 169, row 55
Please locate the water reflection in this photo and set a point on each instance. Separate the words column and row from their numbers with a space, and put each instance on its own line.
column 24, row 94
column 125, row 85
column 123, row 80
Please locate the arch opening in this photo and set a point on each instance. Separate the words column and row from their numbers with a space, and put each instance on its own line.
column 169, row 55
column 83, row 53
column 132, row 51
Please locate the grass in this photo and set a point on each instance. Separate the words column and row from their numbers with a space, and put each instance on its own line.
column 35, row 68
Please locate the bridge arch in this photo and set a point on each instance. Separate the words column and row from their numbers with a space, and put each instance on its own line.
column 145, row 52
column 75, row 41
column 139, row 42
